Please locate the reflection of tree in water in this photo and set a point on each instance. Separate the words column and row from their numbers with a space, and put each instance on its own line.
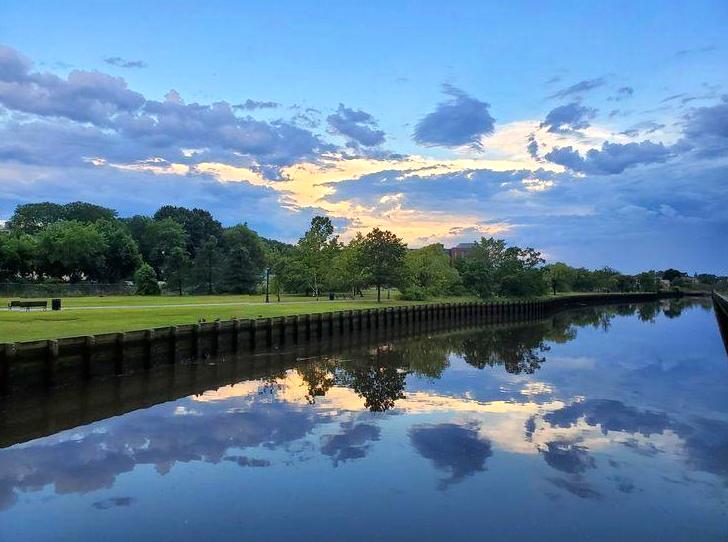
column 379, row 386
column 518, row 349
column 379, row 374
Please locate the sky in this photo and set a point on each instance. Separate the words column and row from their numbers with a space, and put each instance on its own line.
column 594, row 132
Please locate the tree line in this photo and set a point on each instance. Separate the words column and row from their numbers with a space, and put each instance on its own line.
column 189, row 251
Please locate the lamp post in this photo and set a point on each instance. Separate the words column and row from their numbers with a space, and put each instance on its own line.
column 267, row 284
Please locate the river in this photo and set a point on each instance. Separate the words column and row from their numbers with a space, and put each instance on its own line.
column 601, row 423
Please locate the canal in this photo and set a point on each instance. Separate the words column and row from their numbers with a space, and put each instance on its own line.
column 595, row 424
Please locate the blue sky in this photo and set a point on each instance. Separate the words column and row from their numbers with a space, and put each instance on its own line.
column 596, row 132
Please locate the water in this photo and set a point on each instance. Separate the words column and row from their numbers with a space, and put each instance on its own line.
column 598, row 424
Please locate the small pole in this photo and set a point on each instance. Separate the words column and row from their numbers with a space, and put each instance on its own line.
column 267, row 284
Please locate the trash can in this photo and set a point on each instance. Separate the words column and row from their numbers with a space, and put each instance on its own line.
column 332, row 296
column 55, row 304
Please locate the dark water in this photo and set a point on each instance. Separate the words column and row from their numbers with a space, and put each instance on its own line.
column 601, row 424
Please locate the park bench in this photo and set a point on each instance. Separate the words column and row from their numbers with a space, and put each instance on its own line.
column 27, row 305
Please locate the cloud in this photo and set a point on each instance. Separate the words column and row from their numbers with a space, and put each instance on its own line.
column 460, row 121
column 455, row 449
column 153, row 129
column 611, row 159
column 696, row 50
column 582, row 87
column 622, row 94
column 124, row 63
column 568, row 117
column 352, row 443
column 113, row 502
column 356, row 125
column 706, row 129
column 252, row 105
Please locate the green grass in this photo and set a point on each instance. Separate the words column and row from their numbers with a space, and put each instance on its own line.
column 76, row 321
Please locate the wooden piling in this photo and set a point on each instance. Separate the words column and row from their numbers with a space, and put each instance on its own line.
column 89, row 347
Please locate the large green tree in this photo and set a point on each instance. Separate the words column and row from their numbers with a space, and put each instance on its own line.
column 72, row 249
column 429, row 272
column 245, row 259
column 382, row 256
column 315, row 254
column 199, row 225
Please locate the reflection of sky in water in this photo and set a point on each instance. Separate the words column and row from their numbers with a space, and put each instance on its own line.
column 604, row 425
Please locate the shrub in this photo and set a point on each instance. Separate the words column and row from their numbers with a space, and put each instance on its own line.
column 145, row 280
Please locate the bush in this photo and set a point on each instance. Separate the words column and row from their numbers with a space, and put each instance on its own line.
column 145, row 280
column 413, row 293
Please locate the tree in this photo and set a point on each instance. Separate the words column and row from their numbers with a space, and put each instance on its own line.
column 429, row 272
column 176, row 268
column 18, row 253
column 382, row 256
column 161, row 238
column 122, row 256
column 34, row 217
column 315, row 253
column 206, row 262
column 347, row 271
column 87, row 213
column 198, row 224
column 648, row 282
column 672, row 274
column 561, row 276
column 71, row 249
column 245, row 259
column 145, row 280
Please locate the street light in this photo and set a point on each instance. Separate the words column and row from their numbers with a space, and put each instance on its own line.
column 267, row 284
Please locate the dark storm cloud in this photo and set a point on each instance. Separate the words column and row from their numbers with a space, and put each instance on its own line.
column 579, row 88
column 455, row 449
column 568, row 117
column 461, row 120
column 356, row 125
column 611, row 159
column 124, row 63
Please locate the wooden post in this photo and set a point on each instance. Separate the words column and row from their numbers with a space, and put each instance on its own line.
column 307, row 323
column 196, row 343
column 253, row 334
column 51, row 361
column 282, row 331
column 235, row 339
column 172, row 344
column 216, row 327
column 120, row 353
column 9, row 355
column 269, row 332
column 148, row 346
column 296, row 326
column 89, row 346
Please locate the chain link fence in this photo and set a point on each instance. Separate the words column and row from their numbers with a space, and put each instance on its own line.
column 28, row 290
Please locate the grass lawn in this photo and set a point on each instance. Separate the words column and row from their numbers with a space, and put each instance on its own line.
column 148, row 312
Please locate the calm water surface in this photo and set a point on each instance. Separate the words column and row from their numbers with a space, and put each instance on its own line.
column 598, row 424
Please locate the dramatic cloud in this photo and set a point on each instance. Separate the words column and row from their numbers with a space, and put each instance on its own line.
column 613, row 158
column 124, row 63
column 582, row 87
column 706, row 129
column 352, row 443
column 125, row 119
column 460, row 121
column 356, row 125
column 572, row 116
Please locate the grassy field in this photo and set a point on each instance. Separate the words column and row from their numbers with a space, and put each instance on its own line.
column 92, row 315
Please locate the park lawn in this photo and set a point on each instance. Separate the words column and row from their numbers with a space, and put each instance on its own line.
column 34, row 325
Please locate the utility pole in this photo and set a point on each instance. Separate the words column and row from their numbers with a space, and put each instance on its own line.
column 267, row 284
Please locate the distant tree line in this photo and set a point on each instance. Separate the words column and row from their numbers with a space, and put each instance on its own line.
column 189, row 251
